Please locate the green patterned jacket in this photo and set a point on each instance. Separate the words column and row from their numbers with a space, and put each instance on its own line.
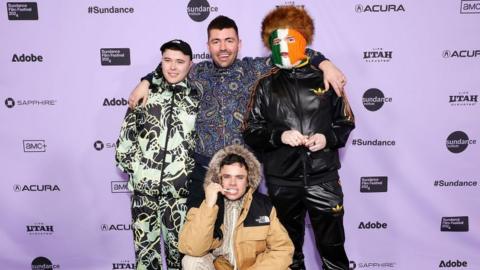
column 154, row 160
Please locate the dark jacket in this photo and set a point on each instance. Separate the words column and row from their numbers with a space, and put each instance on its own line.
column 296, row 99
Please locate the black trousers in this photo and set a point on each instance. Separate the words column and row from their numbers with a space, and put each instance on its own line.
column 324, row 204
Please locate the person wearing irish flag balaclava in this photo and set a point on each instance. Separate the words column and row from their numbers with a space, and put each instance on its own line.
column 297, row 126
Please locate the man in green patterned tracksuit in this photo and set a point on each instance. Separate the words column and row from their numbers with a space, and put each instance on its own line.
column 155, row 148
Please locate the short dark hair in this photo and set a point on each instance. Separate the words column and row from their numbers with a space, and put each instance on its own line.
column 221, row 22
column 233, row 158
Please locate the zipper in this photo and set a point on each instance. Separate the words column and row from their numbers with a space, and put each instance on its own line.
column 169, row 127
column 300, row 116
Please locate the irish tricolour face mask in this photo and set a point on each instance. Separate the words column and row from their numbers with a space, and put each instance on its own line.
column 288, row 48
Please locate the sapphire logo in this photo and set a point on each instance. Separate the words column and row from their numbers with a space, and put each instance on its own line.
column 373, row 99
column 461, row 53
column 119, row 187
column 22, row 11
column 464, row 98
column 470, row 6
column 458, row 141
column 98, row 145
column 115, row 56
column 35, row 188
column 376, row 265
column 379, row 8
column 372, row 225
column 454, row 224
column 125, row 264
column 9, row 102
column 373, row 184
column 115, row 102
column 199, row 10
column 42, row 263
column 377, row 55
column 40, row 229
column 27, row 58
column 30, row 146
column 454, row 263
column 116, row 227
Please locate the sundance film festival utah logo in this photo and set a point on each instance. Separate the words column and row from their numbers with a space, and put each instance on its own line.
column 199, row 10
column 22, row 11
column 458, row 141
column 470, row 6
column 379, row 8
column 454, row 224
column 115, row 56
column 463, row 98
column 377, row 55
column 43, row 263
column 124, row 264
column 40, row 228
column 373, row 99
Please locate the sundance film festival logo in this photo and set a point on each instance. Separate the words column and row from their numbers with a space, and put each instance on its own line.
column 125, row 264
column 99, row 145
column 22, row 11
column 461, row 53
column 30, row 146
column 379, row 8
column 115, row 56
column 27, row 58
column 454, row 224
column 373, row 99
column 41, row 263
column 377, row 55
column 40, row 229
column 470, row 6
column 119, row 187
column 372, row 225
column 202, row 56
column 463, row 98
column 116, row 227
column 458, row 141
column 373, row 142
column 373, row 184
column 115, row 102
column 454, row 183
column 110, row 10
column 371, row 265
column 452, row 263
column 35, row 188
column 10, row 102
column 199, row 10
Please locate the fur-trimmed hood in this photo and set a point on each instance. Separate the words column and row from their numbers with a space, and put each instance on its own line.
column 254, row 169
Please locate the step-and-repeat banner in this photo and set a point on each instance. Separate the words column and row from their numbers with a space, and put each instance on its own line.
column 410, row 170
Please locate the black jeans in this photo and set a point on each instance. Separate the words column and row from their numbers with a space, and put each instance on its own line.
column 324, row 204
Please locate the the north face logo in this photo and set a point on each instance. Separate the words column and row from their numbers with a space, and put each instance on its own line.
column 262, row 220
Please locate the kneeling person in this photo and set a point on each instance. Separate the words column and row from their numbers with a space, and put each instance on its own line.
column 238, row 229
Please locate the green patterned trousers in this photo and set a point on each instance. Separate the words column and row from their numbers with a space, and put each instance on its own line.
column 152, row 216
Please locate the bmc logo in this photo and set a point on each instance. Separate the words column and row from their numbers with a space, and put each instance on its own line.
column 27, row 58
column 450, row 263
column 372, row 225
